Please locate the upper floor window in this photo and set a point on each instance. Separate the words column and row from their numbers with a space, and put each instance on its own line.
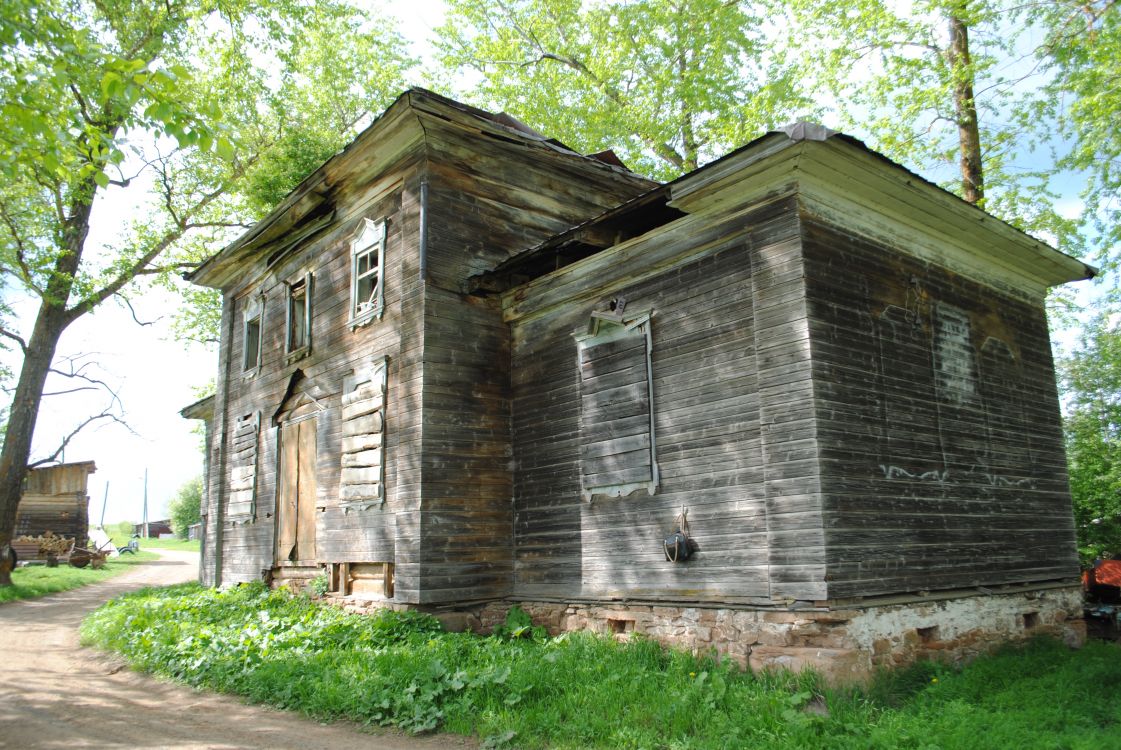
column 367, row 258
column 251, row 335
column 299, row 317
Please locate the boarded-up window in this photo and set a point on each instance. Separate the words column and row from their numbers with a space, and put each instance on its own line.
column 362, row 482
column 617, row 450
column 242, row 495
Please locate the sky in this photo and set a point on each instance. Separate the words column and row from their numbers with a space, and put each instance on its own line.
column 154, row 375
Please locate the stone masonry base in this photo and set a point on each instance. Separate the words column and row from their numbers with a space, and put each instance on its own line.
column 844, row 645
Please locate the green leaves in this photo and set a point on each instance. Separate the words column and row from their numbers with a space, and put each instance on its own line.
column 1092, row 381
column 668, row 84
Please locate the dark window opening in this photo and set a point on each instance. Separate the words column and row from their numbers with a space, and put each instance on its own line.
column 252, row 354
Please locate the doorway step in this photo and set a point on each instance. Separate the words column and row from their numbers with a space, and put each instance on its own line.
column 295, row 576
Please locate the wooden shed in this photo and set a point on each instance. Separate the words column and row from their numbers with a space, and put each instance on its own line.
column 464, row 366
column 54, row 499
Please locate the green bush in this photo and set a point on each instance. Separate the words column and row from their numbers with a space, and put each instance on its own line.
column 186, row 507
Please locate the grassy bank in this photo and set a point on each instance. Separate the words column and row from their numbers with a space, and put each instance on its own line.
column 581, row 691
column 39, row 580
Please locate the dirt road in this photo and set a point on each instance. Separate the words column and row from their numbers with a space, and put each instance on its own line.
column 55, row 694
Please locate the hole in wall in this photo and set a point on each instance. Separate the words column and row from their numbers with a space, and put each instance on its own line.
column 1031, row 620
column 619, row 626
column 928, row 635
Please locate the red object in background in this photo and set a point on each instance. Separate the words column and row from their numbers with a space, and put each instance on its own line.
column 1104, row 573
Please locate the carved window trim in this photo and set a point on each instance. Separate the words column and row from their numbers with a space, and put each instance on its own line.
column 297, row 319
column 367, row 273
column 254, row 317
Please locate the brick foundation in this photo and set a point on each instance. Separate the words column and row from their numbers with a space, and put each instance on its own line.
column 844, row 645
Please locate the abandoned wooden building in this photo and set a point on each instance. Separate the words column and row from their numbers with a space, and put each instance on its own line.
column 54, row 499
column 463, row 366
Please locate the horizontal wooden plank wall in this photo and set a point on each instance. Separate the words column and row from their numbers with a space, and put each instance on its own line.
column 942, row 455
column 492, row 198
column 707, row 427
column 63, row 515
column 352, row 534
column 489, row 198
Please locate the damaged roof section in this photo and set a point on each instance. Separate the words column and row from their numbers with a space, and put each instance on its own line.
column 310, row 206
column 632, row 219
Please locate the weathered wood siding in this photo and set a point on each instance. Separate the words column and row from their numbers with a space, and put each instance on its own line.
column 371, row 532
column 938, row 421
column 728, row 356
column 489, row 197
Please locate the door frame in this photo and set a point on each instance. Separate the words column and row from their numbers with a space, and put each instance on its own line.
column 282, row 423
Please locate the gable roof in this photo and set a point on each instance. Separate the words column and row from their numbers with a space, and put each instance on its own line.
column 309, row 207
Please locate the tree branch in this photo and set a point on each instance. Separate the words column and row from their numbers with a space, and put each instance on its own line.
column 21, row 258
column 73, row 433
column 132, row 310
column 18, row 339
column 71, row 390
column 170, row 237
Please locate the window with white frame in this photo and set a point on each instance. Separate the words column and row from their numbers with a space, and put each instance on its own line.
column 298, row 336
column 367, row 258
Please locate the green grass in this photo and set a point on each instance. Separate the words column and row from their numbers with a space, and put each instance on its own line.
column 39, row 580
column 583, row 691
column 190, row 545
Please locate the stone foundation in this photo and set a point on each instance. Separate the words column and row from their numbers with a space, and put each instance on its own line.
column 844, row 645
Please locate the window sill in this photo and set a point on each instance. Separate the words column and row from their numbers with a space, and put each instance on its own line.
column 250, row 374
column 366, row 318
column 298, row 354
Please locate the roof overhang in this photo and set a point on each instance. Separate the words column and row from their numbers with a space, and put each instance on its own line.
column 828, row 175
column 842, row 181
column 403, row 126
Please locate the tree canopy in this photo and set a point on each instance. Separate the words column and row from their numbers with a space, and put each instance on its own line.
column 210, row 108
column 669, row 84
column 1092, row 378
column 185, row 508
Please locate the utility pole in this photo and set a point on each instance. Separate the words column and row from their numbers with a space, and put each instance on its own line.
column 145, row 503
column 104, row 502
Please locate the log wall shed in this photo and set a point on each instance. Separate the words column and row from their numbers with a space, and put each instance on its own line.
column 54, row 499
column 464, row 366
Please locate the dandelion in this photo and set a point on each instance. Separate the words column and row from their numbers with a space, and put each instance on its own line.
column 692, row 674
column 934, row 680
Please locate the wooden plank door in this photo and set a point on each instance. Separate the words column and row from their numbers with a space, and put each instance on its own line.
column 305, row 507
column 295, row 524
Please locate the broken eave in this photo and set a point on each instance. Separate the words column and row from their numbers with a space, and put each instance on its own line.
column 310, row 206
column 634, row 218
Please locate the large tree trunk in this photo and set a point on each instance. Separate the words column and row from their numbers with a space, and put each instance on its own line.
column 49, row 325
column 965, row 112
column 52, row 320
